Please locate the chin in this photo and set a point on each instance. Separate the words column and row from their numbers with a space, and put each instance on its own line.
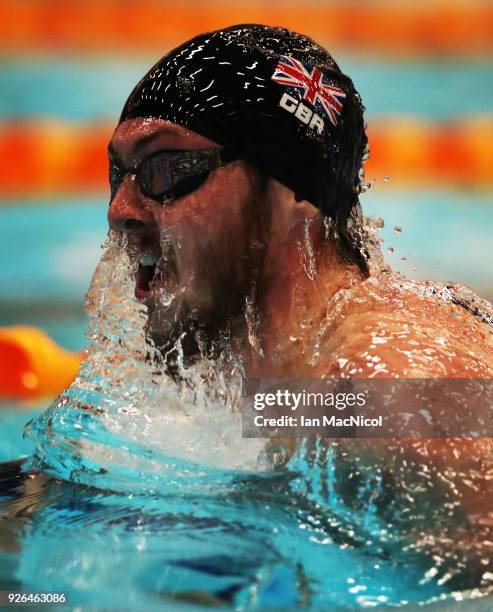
column 191, row 311
column 164, row 325
column 167, row 326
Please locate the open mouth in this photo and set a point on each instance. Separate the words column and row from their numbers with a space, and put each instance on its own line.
column 144, row 278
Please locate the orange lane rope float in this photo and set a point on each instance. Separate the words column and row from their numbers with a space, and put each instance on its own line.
column 32, row 366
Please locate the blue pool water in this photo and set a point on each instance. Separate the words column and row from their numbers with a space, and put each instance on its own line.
column 207, row 537
column 218, row 538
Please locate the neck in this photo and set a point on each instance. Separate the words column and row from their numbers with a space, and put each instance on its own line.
column 302, row 268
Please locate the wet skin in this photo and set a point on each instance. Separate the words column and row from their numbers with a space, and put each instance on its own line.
column 243, row 255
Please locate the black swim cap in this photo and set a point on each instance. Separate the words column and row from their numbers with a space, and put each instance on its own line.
column 275, row 96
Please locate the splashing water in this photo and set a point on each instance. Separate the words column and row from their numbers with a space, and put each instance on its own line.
column 124, row 416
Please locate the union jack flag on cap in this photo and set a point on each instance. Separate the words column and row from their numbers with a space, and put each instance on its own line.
column 297, row 75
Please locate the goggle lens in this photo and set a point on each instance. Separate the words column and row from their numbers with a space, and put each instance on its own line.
column 168, row 175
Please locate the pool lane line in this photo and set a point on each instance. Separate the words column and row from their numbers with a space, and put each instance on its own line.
column 399, row 28
column 49, row 158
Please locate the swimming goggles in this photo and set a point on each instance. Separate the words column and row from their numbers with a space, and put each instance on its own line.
column 167, row 175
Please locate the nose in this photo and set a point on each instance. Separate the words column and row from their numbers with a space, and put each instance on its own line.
column 128, row 211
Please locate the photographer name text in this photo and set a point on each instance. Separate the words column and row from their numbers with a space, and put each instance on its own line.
column 287, row 400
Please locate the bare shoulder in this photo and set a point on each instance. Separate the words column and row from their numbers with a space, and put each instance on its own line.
column 388, row 327
column 391, row 326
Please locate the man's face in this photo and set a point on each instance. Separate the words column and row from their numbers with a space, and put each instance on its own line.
column 193, row 252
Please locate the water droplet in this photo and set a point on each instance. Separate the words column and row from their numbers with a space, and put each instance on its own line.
column 403, row 258
column 390, row 249
column 397, row 229
column 386, row 179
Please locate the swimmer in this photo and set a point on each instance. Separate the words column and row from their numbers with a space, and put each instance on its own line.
column 235, row 173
